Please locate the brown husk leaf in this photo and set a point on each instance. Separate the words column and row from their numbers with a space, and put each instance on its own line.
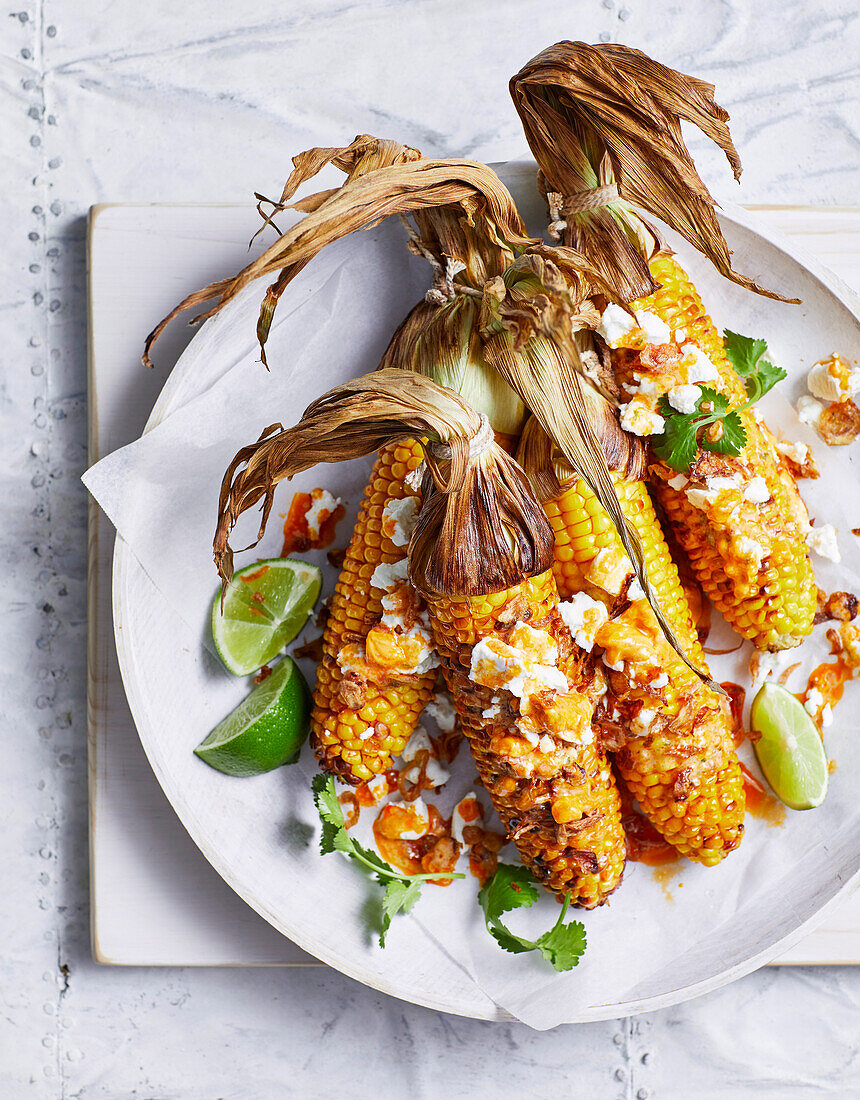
column 603, row 114
column 480, row 528
column 384, row 178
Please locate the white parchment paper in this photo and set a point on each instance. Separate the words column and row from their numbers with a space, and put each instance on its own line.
column 161, row 493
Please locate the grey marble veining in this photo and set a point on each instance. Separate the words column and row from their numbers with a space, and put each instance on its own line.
column 202, row 100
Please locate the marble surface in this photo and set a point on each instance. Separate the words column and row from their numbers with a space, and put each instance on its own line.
column 120, row 101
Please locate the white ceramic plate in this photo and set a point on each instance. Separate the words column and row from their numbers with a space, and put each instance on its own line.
column 249, row 844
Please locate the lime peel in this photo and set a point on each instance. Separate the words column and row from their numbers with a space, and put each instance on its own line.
column 265, row 606
column 789, row 748
column 266, row 730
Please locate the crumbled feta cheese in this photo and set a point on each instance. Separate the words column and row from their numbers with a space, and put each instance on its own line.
column 321, row 508
column 388, row 576
column 635, row 591
column 414, row 478
column 530, row 735
column 750, row 548
column 399, row 518
column 714, row 487
column 833, row 385
column 647, row 387
column 764, row 666
column 809, row 410
column 617, row 667
column 468, row 811
column 378, row 787
column 814, row 701
column 757, row 414
column 615, row 323
column 609, row 569
column 423, row 823
column 496, row 664
column 757, row 491
column 584, row 616
column 699, row 498
column 723, row 484
column 428, row 658
column 641, row 724
column 680, row 335
column 420, row 743
column 827, row 716
column 366, row 733
column 797, row 452
column 684, row 398
column 441, row 710
column 546, row 744
column 699, row 367
column 655, row 329
column 637, row 418
column 678, row 482
column 661, row 681
column 494, row 710
column 823, row 541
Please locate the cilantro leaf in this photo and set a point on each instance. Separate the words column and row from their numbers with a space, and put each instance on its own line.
column 331, row 814
column 747, row 357
column 564, row 945
column 677, row 445
column 743, row 351
column 684, row 433
column 400, row 897
column 401, row 890
column 383, row 871
column 508, row 941
column 513, row 887
column 681, row 439
column 733, row 439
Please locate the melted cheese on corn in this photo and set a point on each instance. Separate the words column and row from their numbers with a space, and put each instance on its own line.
column 524, row 666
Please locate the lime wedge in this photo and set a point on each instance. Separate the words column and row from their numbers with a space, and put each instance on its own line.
column 790, row 751
column 266, row 730
column 265, row 607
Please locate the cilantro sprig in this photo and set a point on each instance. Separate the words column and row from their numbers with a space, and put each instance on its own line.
column 513, row 887
column 685, row 433
column 401, row 890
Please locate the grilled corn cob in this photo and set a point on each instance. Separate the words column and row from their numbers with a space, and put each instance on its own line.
column 364, row 711
column 604, row 124
column 550, row 783
column 750, row 557
column 482, row 554
column 671, row 734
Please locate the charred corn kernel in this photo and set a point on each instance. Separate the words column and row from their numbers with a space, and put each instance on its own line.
column 682, row 767
column 735, row 586
column 588, row 862
column 355, row 736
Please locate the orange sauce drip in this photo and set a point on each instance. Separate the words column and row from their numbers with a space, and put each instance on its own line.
column 249, row 578
column 297, row 537
column 759, row 803
column 409, row 855
column 830, row 678
column 366, row 797
column 644, row 843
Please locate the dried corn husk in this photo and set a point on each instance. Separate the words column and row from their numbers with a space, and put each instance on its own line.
column 608, row 115
column 480, row 528
column 399, row 182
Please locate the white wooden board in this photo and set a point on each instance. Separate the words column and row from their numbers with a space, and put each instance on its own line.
column 155, row 900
